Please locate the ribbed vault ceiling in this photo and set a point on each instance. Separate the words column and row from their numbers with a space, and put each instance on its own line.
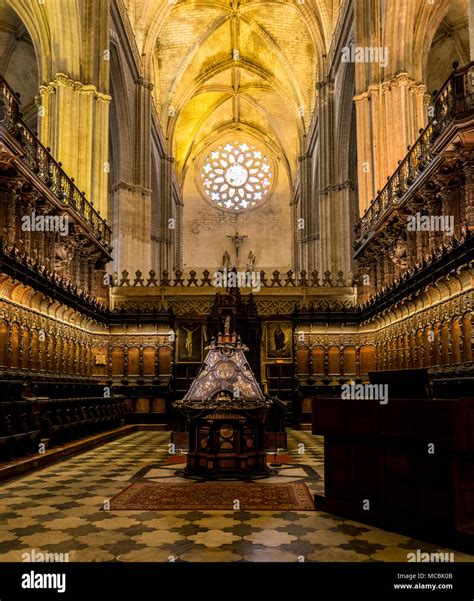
column 229, row 65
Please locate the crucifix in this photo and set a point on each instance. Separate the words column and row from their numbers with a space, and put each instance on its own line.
column 237, row 241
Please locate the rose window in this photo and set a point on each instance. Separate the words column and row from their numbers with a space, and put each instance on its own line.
column 236, row 176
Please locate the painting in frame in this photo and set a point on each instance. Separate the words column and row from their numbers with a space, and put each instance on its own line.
column 279, row 340
column 190, row 343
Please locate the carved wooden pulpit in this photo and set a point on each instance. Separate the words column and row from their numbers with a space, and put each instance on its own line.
column 226, row 410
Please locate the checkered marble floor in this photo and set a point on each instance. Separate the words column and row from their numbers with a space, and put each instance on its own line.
column 58, row 510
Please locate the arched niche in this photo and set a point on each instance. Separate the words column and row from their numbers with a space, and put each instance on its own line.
column 318, row 360
column 118, row 356
column 3, row 343
column 350, row 361
column 334, row 360
column 20, row 63
column 149, row 361
column 134, row 361
column 121, row 139
column 367, row 359
column 164, row 360
column 449, row 44
column 302, row 359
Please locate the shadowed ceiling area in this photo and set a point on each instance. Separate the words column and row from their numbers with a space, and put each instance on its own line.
column 18, row 61
column 226, row 66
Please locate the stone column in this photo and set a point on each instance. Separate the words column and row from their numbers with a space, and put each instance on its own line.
column 389, row 116
column 132, row 223
column 326, row 208
column 166, row 261
column 178, row 237
column 296, row 248
column 74, row 123
column 470, row 12
column 304, row 194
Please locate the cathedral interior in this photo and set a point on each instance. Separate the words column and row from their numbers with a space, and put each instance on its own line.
column 277, row 193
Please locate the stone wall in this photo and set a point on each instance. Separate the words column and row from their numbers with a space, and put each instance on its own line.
column 267, row 227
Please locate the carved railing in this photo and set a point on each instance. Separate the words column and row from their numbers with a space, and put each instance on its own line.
column 46, row 168
column 49, row 281
column 179, row 279
column 451, row 255
column 455, row 99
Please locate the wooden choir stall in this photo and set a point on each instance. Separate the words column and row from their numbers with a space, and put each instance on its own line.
column 406, row 465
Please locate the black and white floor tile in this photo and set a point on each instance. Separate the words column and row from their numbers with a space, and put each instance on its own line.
column 59, row 510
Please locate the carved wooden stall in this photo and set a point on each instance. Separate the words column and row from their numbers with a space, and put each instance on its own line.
column 405, row 465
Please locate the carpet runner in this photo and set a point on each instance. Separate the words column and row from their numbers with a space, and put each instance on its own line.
column 153, row 496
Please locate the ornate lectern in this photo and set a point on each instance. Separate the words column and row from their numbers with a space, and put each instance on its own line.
column 225, row 410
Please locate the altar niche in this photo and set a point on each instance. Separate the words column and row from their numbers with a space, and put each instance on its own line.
column 225, row 411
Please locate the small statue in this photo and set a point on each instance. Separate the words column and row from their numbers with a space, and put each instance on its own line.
column 227, row 325
column 237, row 241
column 251, row 261
column 226, row 260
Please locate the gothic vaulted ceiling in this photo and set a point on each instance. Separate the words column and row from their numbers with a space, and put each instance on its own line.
column 224, row 65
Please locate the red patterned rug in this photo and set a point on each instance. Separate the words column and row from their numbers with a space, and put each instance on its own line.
column 153, row 496
column 176, row 459
column 280, row 459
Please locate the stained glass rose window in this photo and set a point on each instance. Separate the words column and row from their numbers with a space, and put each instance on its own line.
column 236, row 176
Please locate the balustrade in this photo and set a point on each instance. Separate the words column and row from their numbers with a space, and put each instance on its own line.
column 44, row 167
